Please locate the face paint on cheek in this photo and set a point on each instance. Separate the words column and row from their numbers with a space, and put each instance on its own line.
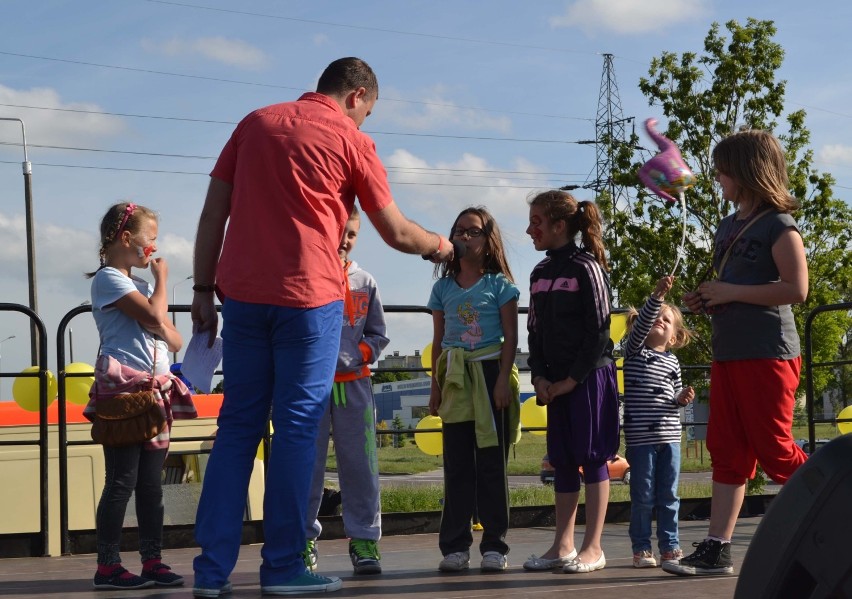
column 144, row 252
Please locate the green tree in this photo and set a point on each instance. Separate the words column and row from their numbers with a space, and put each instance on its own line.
column 389, row 377
column 398, row 438
column 382, row 440
column 705, row 97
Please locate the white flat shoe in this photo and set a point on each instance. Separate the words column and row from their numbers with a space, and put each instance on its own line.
column 576, row 567
column 536, row 563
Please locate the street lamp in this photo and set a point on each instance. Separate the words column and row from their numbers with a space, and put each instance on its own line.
column 1, row 363
column 174, row 317
column 31, row 272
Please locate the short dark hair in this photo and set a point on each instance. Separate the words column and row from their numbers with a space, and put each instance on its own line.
column 345, row 75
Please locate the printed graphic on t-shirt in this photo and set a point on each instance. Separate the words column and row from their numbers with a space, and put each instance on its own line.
column 360, row 303
column 469, row 316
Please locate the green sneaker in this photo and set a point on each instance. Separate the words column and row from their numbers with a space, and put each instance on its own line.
column 311, row 555
column 365, row 556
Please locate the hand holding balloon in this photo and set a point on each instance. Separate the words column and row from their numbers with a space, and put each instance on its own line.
column 666, row 174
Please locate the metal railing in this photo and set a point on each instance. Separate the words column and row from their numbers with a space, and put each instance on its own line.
column 809, row 365
column 64, row 443
column 40, row 543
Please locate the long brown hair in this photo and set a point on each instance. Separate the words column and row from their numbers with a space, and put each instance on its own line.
column 495, row 255
column 755, row 160
column 124, row 216
column 580, row 217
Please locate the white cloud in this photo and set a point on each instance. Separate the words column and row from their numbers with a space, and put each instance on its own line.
column 59, row 125
column 321, row 39
column 435, row 111
column 232, row 52
column 445, row 188
column 836, row 154
column 629, row 16
column 500, row 188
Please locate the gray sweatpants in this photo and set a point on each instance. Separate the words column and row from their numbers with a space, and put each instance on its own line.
column 351, row 419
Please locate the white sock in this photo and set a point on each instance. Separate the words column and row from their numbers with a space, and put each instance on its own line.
column 719, row 539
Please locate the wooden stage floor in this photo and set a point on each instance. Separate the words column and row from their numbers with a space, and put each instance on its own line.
column 409, row 571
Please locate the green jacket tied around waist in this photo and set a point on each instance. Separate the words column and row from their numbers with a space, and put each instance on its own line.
column 464, row 394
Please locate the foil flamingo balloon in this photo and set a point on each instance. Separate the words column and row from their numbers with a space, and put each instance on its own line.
column 666, row 174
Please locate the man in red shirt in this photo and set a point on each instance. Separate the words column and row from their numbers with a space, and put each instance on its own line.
column 284, row 185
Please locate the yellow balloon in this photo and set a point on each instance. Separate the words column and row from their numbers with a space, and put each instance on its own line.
column 533, row 415
column 845, row 427
column 77, row 387
column 617, row 326
column 426, row 358
column 429, row 443
column 620, row 374
column 260, row 445
column 25, row 389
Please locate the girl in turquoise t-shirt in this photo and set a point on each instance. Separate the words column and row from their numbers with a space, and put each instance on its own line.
column 474, row 307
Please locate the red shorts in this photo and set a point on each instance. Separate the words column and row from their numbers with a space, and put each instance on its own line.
column 751, row 419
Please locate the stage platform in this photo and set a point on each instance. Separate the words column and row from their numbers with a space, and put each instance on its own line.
column 410, row 571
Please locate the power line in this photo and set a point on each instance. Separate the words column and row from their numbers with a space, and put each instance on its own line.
column 376, row 29
column 435, row 171
column 123, row 114
column 398, row 133
column 169, row 172
column 270, row 85
column 105, row 151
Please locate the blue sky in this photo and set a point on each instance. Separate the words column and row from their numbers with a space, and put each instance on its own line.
column 481, row 102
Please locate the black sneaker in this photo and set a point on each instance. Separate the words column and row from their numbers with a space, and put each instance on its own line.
column 710, row 557
column 163, row 576
column 121, row 579
column 365, row 556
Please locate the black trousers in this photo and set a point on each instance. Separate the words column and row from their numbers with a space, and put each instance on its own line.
column 475, row 481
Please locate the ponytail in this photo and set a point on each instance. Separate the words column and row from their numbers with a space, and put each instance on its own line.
column 590, row 227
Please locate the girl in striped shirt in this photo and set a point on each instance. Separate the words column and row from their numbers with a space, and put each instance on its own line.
column 653, row 396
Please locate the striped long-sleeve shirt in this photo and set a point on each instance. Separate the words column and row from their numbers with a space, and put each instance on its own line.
column 652, row 383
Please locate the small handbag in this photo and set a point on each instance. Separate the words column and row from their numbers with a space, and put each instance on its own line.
column 128, row 418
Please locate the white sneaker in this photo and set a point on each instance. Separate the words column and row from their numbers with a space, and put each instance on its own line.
column 493, row 561
column 644, row 559
column 455, row 562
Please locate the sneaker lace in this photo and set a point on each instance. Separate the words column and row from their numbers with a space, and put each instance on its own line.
column 365, row 548
column 702, row 550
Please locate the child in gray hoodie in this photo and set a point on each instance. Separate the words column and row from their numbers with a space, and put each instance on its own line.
column 351, row 418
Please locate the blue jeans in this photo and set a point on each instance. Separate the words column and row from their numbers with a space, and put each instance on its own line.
column 129, row 469
column 654, row 472
column 279, row 360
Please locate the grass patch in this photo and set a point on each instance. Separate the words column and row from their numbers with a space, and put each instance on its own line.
column 427, row 498
column 525, row 457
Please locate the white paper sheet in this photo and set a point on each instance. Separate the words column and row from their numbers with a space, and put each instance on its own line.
column 200, row 361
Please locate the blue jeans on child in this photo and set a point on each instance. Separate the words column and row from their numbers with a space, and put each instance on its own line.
column 654, row 473
column 281, row 360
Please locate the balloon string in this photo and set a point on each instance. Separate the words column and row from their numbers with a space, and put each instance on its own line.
column 680, row 249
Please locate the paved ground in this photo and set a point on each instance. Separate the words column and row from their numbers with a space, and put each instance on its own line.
column 410, row 571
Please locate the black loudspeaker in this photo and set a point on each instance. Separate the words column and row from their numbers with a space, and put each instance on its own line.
column 802, row 548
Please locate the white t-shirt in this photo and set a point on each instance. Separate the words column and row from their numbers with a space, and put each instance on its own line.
column 123, row 337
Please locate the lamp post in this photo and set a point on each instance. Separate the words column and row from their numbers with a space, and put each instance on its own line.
column 31, row 270
column 174, row 316
column 1, row 363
